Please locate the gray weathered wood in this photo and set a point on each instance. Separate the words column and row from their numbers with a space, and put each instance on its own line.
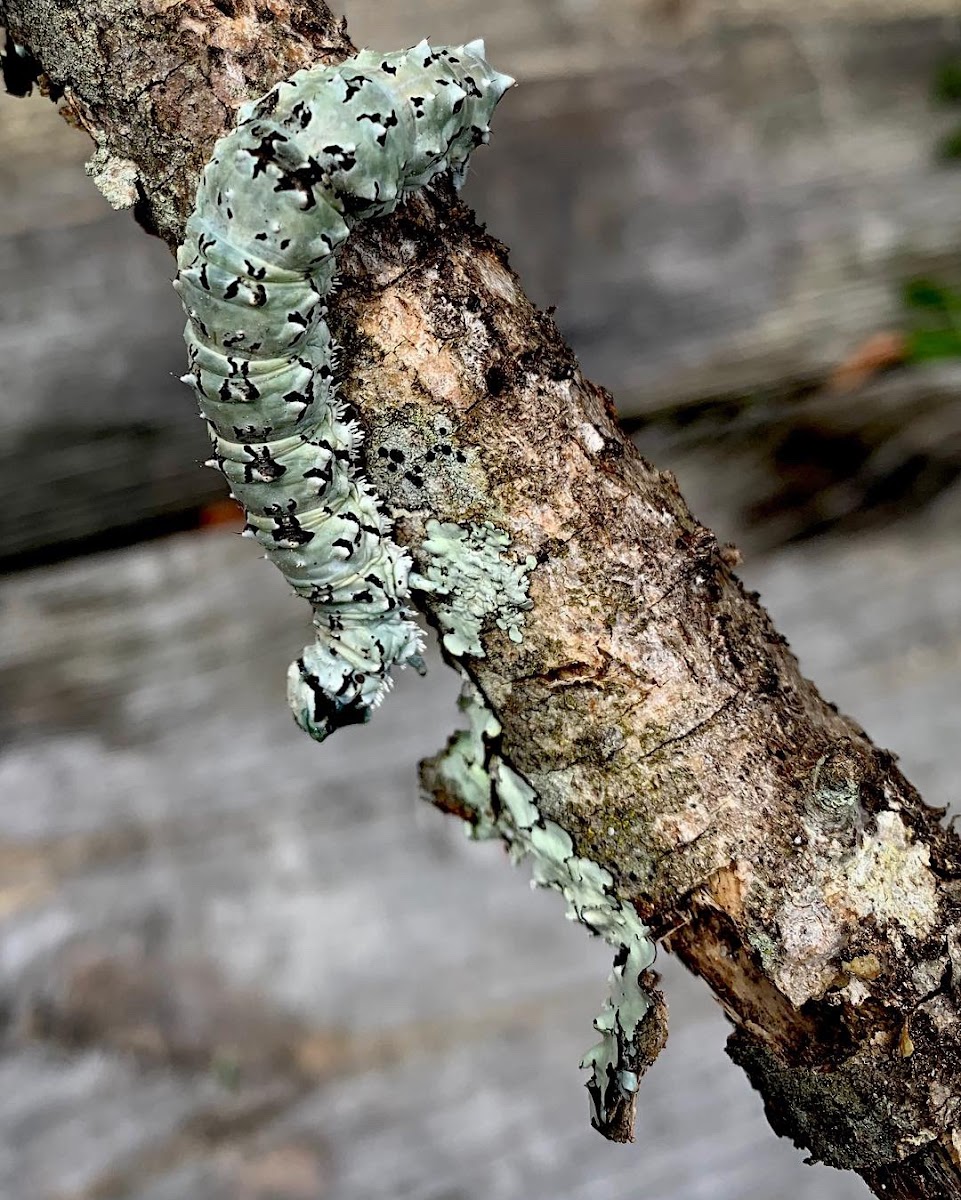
column 96, row 434
column 713, row 204
column 197, row 896
column 789, row 463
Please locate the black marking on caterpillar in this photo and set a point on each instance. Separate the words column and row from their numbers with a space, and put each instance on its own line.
column 319, row 152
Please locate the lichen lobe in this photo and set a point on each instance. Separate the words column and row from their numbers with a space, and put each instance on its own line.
column 473, row 582
column 472, row 778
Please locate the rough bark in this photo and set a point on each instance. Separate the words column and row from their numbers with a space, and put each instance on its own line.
column 660, row 717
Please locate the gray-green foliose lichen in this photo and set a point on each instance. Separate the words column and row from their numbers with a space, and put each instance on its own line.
column 462, row 766
column 473, row 582
column 506, row 806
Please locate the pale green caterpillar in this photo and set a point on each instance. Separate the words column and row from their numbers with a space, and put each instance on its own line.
column 327, row 148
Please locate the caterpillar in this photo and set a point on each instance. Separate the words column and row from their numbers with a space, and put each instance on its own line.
column 319, row 152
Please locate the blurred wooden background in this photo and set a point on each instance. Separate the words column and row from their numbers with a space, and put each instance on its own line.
column 235, row 964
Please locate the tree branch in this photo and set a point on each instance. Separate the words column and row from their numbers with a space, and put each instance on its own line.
column 659, row 717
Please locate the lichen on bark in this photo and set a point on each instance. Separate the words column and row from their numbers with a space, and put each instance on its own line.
column 471, row 778
column 655, row 712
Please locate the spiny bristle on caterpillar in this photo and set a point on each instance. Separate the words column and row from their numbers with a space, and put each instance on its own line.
column 275, row 204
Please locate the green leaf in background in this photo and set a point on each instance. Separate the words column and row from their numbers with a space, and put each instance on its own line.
column 949, row 147
column 923, row 345
column 947, row 82
column 936, row 316
column 928, row 294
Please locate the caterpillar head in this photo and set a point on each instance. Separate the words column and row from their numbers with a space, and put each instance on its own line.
column 343, row 675
column 316, row 710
